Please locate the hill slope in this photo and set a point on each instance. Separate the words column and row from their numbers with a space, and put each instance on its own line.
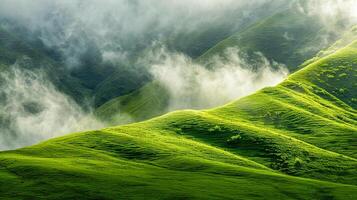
column 293, row 141
column 149, row 101
column 288, row 37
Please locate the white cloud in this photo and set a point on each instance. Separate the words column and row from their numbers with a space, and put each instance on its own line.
column 192, row 85
column 33, row 110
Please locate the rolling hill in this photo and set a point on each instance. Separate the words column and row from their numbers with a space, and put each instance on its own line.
column 104, row 82
column 149, row 101
column 293, row 141
column 99, row 80
column 289, row 37
column 192, row 42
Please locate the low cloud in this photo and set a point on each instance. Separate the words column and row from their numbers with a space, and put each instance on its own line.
column 33, row 110
column 116, row 31
column 331, row 12
column 193, row 85
column 124, row 27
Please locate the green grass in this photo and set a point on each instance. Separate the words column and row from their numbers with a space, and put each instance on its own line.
column 141, row 162
column 293, row 141
column 149, row 101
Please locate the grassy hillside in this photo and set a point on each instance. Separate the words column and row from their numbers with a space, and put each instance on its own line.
column 197, row 41
column 149, row 101
column 289, row 37
column 348, row 37
column 190, row 42
column 293, row 141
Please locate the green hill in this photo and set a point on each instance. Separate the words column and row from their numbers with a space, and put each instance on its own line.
column 292, row 141
column 190, row 42
column 348, row 37
column 196, row 42
column 289, row 37
column 149, row 101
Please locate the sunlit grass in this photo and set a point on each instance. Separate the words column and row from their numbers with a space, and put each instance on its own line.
column 292, row 141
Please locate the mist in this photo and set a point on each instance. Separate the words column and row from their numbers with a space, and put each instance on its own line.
column 193, row 85
column 333, row 13
column 122, row 32
column 32, row 110
column 122, row 28
column 115, row 32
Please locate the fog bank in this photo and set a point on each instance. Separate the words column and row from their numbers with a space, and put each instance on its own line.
column 193, row 85
column 33, row 110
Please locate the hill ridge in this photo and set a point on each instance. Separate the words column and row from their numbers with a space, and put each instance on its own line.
column 295, row 141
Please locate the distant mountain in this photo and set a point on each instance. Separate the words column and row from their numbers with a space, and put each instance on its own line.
column 292, row 141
